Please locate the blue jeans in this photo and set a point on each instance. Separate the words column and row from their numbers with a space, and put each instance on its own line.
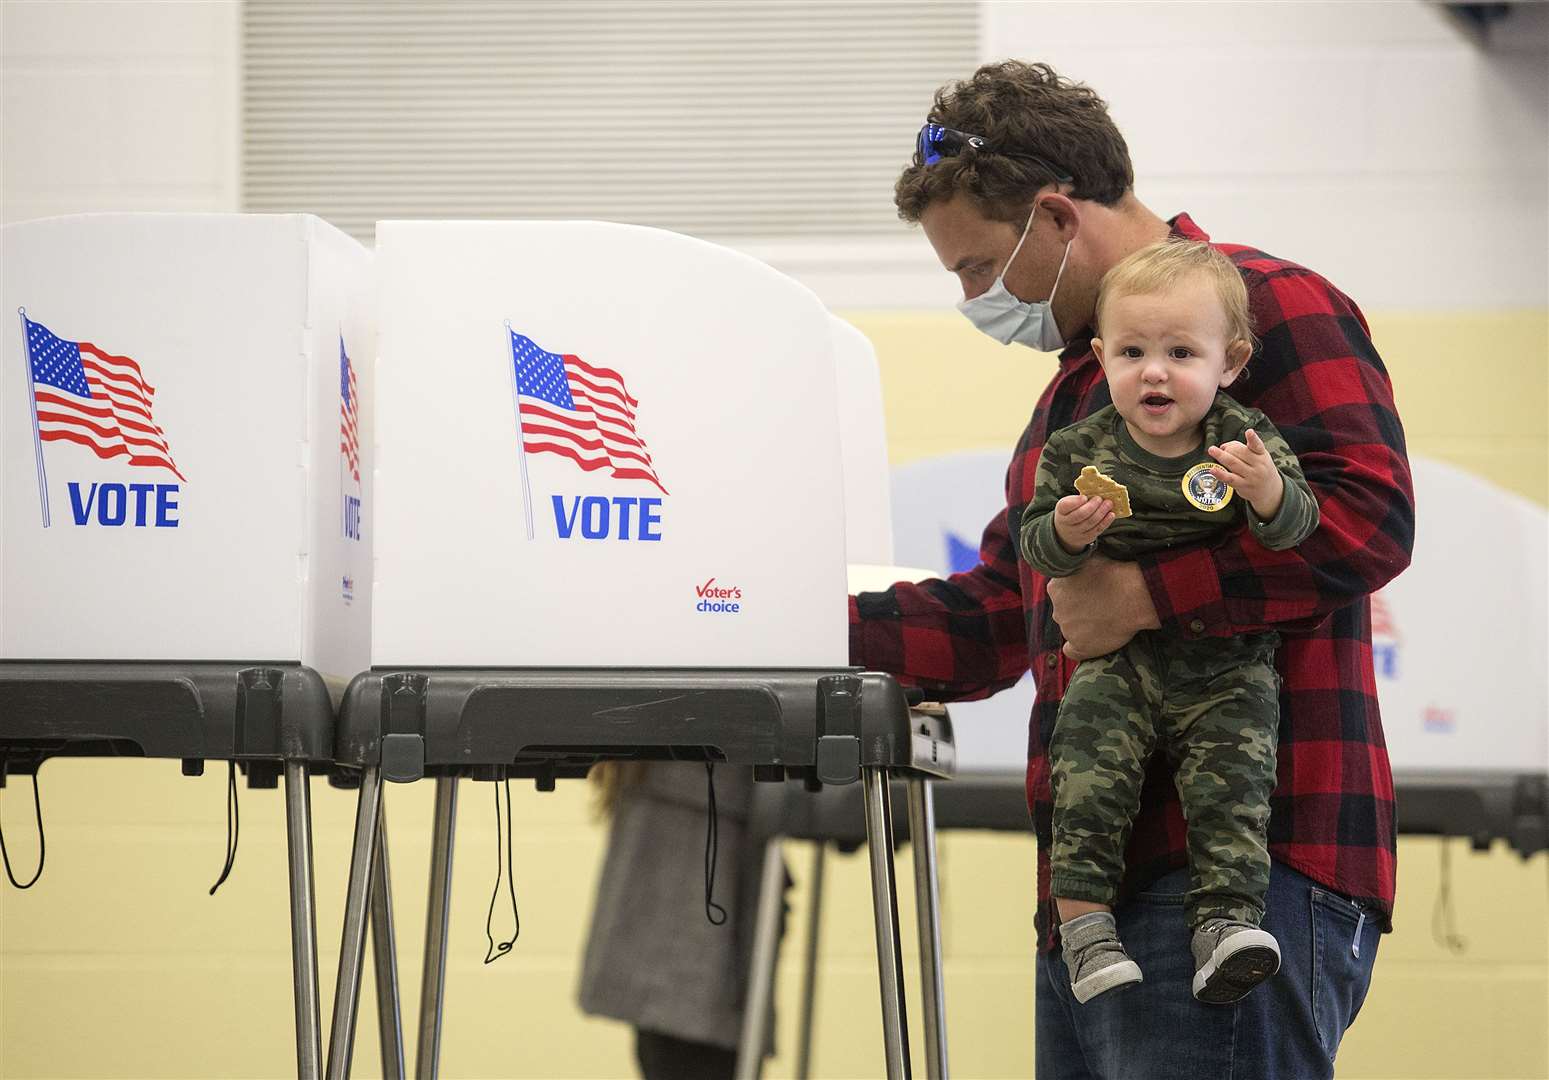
column 1287, row 1029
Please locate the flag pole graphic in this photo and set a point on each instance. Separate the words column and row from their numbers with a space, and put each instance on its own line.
column 521, row 435
column 344, row 379
column 32, row 401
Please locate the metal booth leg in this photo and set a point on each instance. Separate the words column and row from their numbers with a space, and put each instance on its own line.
column 352, row 946
column 303, row 921
column 922, row 833
column 761, row 977
column 884, row 902
column 809, row 976
column 384, row 950
column 427, row 1057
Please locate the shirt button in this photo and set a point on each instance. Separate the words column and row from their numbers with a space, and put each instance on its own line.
column 1198, row 626
column 1054, row 659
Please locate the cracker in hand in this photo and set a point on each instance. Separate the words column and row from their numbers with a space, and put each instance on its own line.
column 1091, row 482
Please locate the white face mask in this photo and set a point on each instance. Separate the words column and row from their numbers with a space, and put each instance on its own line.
column 1007, row 319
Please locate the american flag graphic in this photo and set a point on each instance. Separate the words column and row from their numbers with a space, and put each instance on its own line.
column 582, row 412
column 349, row 414
column 90, row 397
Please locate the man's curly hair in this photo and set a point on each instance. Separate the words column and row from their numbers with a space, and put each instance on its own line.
column 1019, row 108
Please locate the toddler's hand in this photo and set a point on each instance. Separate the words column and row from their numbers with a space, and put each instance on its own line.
column 1249, row 468
column 1080, row 519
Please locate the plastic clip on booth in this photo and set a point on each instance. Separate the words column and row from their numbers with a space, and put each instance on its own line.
column 182, row 563
column 612, row 525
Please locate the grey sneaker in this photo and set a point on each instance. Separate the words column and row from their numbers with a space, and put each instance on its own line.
column 1230, row 959
column 1096, row 961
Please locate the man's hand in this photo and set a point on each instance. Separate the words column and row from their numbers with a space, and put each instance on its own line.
column 1101, row 606
column 1080, row 519
column 1249, row 468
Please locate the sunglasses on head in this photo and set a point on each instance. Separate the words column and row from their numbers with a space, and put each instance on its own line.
column 936, row 142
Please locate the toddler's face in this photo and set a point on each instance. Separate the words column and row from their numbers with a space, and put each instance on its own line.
column 1165, row 355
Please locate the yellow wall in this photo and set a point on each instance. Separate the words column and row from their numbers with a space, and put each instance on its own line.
column 118, row 964
column 1472, row 389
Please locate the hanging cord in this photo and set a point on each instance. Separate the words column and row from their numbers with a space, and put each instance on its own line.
column 713, row 911
column 37, row 808
column 233, row 825
column 497, row 949
column 1443, row 928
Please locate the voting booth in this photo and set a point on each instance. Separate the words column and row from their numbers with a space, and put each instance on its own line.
column 184, row 566
column 1459, row 642
column 610, row 523
column 615, row 457
column 182, row 467
column 1458, row 645
column 940, row 508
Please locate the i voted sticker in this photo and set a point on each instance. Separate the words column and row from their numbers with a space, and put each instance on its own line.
column 1204, row 490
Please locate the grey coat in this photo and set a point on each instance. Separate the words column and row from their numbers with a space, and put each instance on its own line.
column 652, row 958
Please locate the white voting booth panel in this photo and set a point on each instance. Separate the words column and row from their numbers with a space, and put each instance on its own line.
column 1459, row 653
column 1459, row 640
column 184, row 404
column 602, row 445
column 940, row 507
column 868, row 520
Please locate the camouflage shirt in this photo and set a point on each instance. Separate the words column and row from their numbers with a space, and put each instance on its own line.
column 1162, row 515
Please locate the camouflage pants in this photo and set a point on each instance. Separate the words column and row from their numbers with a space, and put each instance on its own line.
column 1212, row 707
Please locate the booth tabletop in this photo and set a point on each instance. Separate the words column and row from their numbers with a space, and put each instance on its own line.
column 237, row 711
column 557, row 722
column 1482, row 806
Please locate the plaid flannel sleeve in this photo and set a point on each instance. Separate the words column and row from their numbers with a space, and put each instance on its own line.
column 960, row 637
column 1319, row 378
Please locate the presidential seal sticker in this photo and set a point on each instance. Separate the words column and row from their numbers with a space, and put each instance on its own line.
column 1203, row 490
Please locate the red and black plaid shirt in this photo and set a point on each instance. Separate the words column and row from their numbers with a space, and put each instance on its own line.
column 1318, row 377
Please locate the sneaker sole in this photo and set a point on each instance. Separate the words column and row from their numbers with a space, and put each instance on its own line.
column 1112, row 977
column 1238, row 965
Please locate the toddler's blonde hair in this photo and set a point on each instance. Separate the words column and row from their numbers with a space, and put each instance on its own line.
column 1159, row 267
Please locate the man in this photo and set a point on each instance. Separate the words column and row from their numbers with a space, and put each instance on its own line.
column 1017, row 150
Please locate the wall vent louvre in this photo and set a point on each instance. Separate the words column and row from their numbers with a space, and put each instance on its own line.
column 775, row 119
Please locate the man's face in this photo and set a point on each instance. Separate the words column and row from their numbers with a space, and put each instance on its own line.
column 975, row 248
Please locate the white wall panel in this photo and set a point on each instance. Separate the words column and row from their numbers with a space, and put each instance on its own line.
column 1378, row 142
column 127, row 105
column 124, row 30
column 1419, row 246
